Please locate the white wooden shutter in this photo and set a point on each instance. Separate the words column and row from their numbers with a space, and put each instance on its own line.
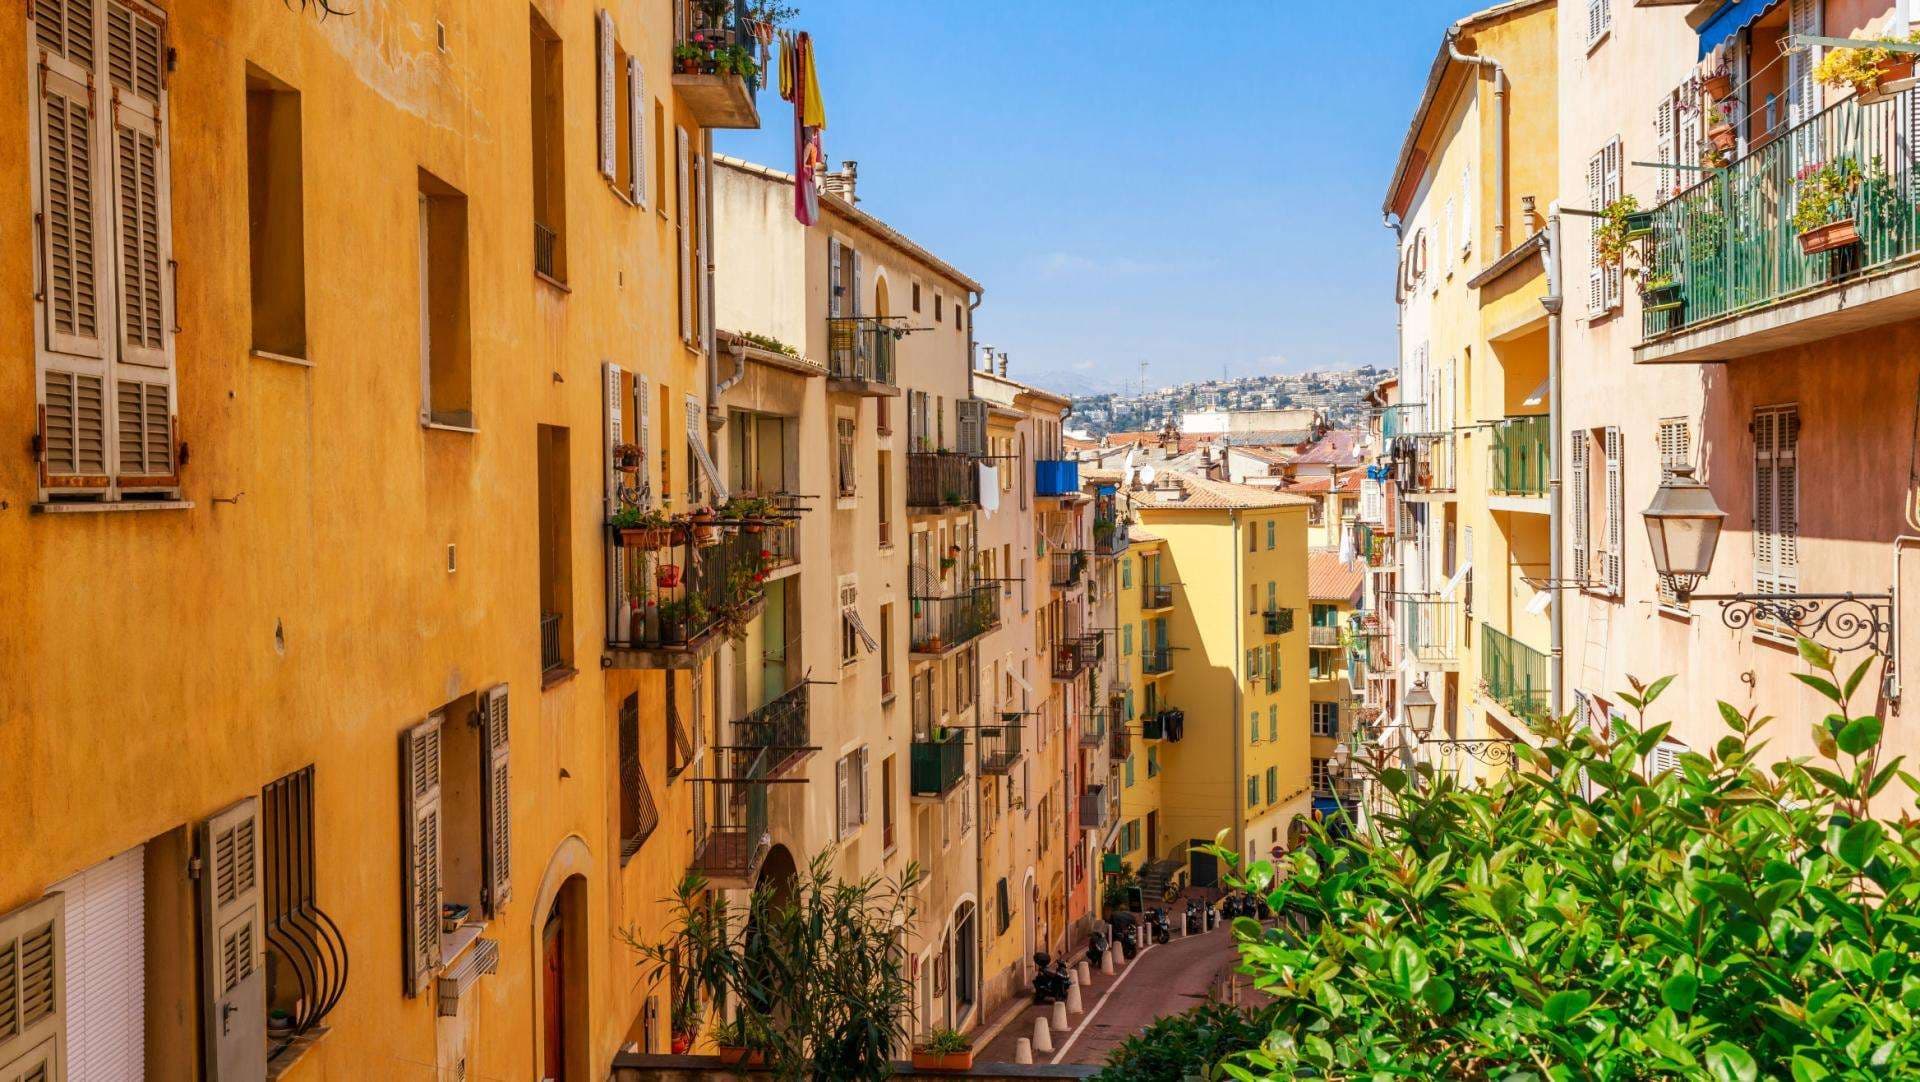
column 643, row 433
column 1616, row 513
column 496, row 809
column 1599, row 19
column 851, row 257
column 1675, row 451
column 233, row 945
column 681, row 192
column 614, row 408
column 841, row 784
column 972, row 426
column 420, row 854
column 1611, row 170
column 1466, row 209
column 834, row 307
column 1596, row 199
column 1664, row 146
column 33, row 979
column 105, row 1002
column 703, row 282
column 1803, row 95
column 609, row 131
column 637, row 131
column 865, row 782
column 697, row 443
column 1582, row 511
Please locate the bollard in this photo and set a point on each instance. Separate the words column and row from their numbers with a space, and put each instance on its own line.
column 1082, row 973
column 1042, row 1036
column 1073, row 1000
column 1023, row 1050
column 1106, row 960
column 1060, row 1015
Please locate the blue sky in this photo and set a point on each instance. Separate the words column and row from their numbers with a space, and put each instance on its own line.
column 1128, row 184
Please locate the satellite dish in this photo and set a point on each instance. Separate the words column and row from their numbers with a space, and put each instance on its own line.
column 1147, row 474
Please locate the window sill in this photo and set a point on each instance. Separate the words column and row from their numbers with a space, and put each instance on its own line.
column 1598, row 41
column 441, row 426
column 552, row 281
column 283, row 1064
column 1675, row 612
column 112, row 507
column 457, row 942
column 280, row 358
column 557, row 677
column 888, row 700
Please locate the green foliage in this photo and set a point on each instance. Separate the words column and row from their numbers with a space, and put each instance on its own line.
column 769, row 343
column 945, row 1042
column 1581, row 918
column 813, row 970
column 1824, row 193
column 1188, row 1045
column 1610, row 232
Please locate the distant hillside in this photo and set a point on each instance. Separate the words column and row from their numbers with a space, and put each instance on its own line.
column 1338, row 394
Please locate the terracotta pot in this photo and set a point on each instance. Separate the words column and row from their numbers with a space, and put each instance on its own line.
column 735, row 1057
column 1723, row 136
column 666, row 576
column 1825, row 238
column 648, row 537
column 682, row 1042
column 1717, row 87
column 933, row 1061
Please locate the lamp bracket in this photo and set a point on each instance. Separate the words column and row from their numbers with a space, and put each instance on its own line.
column 1839, row 622
column 1490, row 752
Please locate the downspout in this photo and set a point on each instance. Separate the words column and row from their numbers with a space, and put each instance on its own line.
column 1499, row 144
column 1399, row 364
column 1239, row 694
column 1553, row 302
column 716, row 417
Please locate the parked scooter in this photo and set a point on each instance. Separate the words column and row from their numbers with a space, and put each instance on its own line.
column 1196, row 917
column 1050, row 979
column 1097, row 945
column 1124, row 924
column 1157, row 922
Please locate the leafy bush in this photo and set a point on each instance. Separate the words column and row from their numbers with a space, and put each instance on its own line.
column 1580, row 919
column 1187, row 1045
column 946, row 1042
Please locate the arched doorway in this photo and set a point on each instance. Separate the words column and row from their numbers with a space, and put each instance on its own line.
column 778, row 873
column 1032, row 926
column 563, row 984
column 963, row 956
column 881, row 307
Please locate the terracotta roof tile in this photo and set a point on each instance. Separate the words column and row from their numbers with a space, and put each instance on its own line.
column 1330, row 580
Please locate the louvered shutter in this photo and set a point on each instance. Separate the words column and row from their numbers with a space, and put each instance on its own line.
column 681, row 191
column 643, row 435
column 1675, row 451
column 972, row 432
column 1776, row 542
column 496, row 809
column 71, row 213
column 703, row 282
column 637, row 131
column 834, row 308
column 420, row 854
column 609, row 132
column 1596, row 199
column 1611, row 167
column 1466, row 209
column 106, row 1004
column 1599, row 19
column 851, row 256
column 1616, row 513
column 865, row 783
column 614, row 393
column 33, row 991
column 1582, row 512
column 841, row 785
column 233, row 945
column 1663, row 134
column 1803, row 17
column 696, row 442
column 1764, row 518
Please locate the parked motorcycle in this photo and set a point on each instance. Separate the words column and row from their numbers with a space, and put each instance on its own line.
column 1157, row 922
column 1097, row 945
column 1196, row 917
column 1050, row 979
column 1123, row 931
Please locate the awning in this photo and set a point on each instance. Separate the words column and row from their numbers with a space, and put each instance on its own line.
column 1326, row 805
column 1733, row 17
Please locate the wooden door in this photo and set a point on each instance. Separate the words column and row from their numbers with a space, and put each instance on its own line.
column 553, row 997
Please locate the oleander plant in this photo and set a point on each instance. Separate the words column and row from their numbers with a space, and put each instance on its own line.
column 1734, row 917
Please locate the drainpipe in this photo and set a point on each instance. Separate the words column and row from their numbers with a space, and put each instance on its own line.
column 716, row 417
column 1239, row 694
column 1399, row 363
column 1500, row 144
column 1553, row 302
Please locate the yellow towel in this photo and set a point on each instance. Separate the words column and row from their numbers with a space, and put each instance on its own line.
column 813, row 113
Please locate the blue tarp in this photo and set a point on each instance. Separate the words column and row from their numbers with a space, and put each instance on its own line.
column 1733, row 17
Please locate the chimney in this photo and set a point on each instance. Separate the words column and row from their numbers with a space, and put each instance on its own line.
column 1003, row 363
column 841, row 183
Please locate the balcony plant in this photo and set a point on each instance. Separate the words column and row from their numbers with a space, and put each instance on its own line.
column 1871, row 70
column 1741, row 915
column 706, row 527
column 736, row 60
column 627, row 457
column 1717, row 84
column 1724, row 135
column 1614, row 234
column 943, row 1050
column 687, row 59
column 635, row 528
column 1823, row 205
column 1660, row 292
column 738, row 1041
column 681, row 618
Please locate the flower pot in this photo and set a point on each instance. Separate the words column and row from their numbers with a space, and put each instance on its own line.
column 1717, row 87
column 706, row 536
column 682, row 1043
column 1826, row 238
column 666, row 576
column 1896, row 74
column 1723, row 136
column 934, row 1061
column 737, row 1057
column 646, row 537
column 1661, row 298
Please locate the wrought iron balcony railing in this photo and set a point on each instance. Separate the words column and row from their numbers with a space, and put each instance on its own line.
column 1324, row 637
column 942, row 624
column 1278, row 621
column 1093, row 729
column 938, row 765
column 1428, row 626
column 1156, row 595
column 1066, row 567
column 1000, row 745
column 729, row 854
column 1075, row 655
column 1156, row 660
column 1516, row 675
column 1093, row 808
column 1111, row 536
column 1519, row 456
column 942, row 479
column 782, row 727
column 861, row 349
column 1730, row 244
column 308, row 951
column 671, row 591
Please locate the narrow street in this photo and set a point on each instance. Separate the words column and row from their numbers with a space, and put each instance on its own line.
column 1161, row 980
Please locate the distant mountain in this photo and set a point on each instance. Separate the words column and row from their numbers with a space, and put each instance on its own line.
column 1100, row 407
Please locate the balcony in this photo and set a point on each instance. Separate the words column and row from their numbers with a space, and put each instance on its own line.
column 1119, row 741
column 1000, row 745
column 674, row 589
column 1110, row 536
column 1056, row 477
column 1742, row 282
column 941, row 625
column 728, row 855
column 1066, row 568
column 709, row 82
column 553, row 659
column 1093, row 808
column 1162, row 724
column 860, row 355
column 938, row 765
column 1093, row 729
column 1075, row 655
column 1277, row 621
column 1426, row 465
column 1429, row 628
column 1156, row 595
column 1156, row 660
column 1324, row 637
column 1373, row 544
column 1403, row 419
column 942, row 479
column 781, row 727
column 1518, row 461
column 1515, row 674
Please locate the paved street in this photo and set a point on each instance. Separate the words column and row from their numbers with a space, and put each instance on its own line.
column 1161, row 980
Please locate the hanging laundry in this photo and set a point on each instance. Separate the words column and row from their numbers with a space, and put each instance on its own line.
column 807, row 156
column 813, row 111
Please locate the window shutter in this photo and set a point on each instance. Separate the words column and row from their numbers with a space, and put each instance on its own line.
column 1596, row 199
column 643, row 433
column 1582, row 512
column 1616, row 514
column 840, row 785
column 1675, row 451
column 681, row 191
column 703, row 283
column 496, row 809
column 1611, row 169
column 865, row 784
column 33, row 991
column 1466, row 209
column 833, row 278
column 232, row 945
column 1803, row 98
column 420, row 854
column 1786, row 501
column 1663, row 133
column 972, row 427
column 696, row 441
column 70, row 213
column 609, row 133
column 1599, row 17
column 637, row 131
column 851, row 257
column 616, row 431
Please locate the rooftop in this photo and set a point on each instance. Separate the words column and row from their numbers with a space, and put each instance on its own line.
column 1173, row 490
column 1330, row 580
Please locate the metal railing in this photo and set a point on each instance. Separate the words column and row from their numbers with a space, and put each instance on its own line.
column 1119, row 741
column 552, row 657
column 545, row 243
column 1427, row 464
column 1519, row 456
column 863, row 347
column 781, row 542
column 1277, row 621
column 782, row 727
column 1154, row 726
column 1516, row 674
column 1056, row 477
column 730, row 853
column 1066, row 567
column 1111, row 536
column 1093, row 808
column 1429, row 627
column 1155, row 660
column 1000, row 745
column 1404, row 419
column 1093, row 729
column 942, row 479
column 1156, row 595
column 938, row 765
column 1730, row 242
column 1317, row 635
column 675, row 594
column 307, row 947
column 939, row 624
column 1075, row 655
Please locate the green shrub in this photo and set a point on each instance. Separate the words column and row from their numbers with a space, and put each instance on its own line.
column 1580, row 919
column 1186, row 1045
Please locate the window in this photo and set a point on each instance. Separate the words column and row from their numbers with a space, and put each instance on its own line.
column 1326, row 719
column 1676, row 451
column 1273, row 784
column 1322, row 770
column 276, row 240
column 1126, row 641
column 446, row 375
column 453, row 771
column 1129, row 771
column 104, row 304
column 963, row 679
column 1253, row 727
column 556, row 552
column 1599, row 20
column 886, row 651
column 1126, row 574
column 1603, row 188
column 886, row 804
column 844, row 429
column 938, row 304
column 547, row 91
column 850, row 788
column 853, row 631
column 1153, row 760
column 1253, row 790
column 1598, row 511
column 638, row 813
column 1253, row 538
column 884, row 485
column 622, row 107
column 916, row 296
column 1273, row 722
column 1776, row 500
column 1269, row 535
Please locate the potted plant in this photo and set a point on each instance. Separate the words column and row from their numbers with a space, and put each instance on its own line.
column 635, row 528
column 706, row 531
column 1660, row 292
column 1872, row 71
column 1715, row 158
column 627, row 457
column 1823, row 208
column 1724, row 135
column 1717, row 85
column 943, row 1050
column 681, row 617
column 734, row 1044
column 686, row 59
column 686, row 1025
column 667, row 576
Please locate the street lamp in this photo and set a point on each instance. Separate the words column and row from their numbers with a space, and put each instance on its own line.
column 1420, row 705
column 1683, row 529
